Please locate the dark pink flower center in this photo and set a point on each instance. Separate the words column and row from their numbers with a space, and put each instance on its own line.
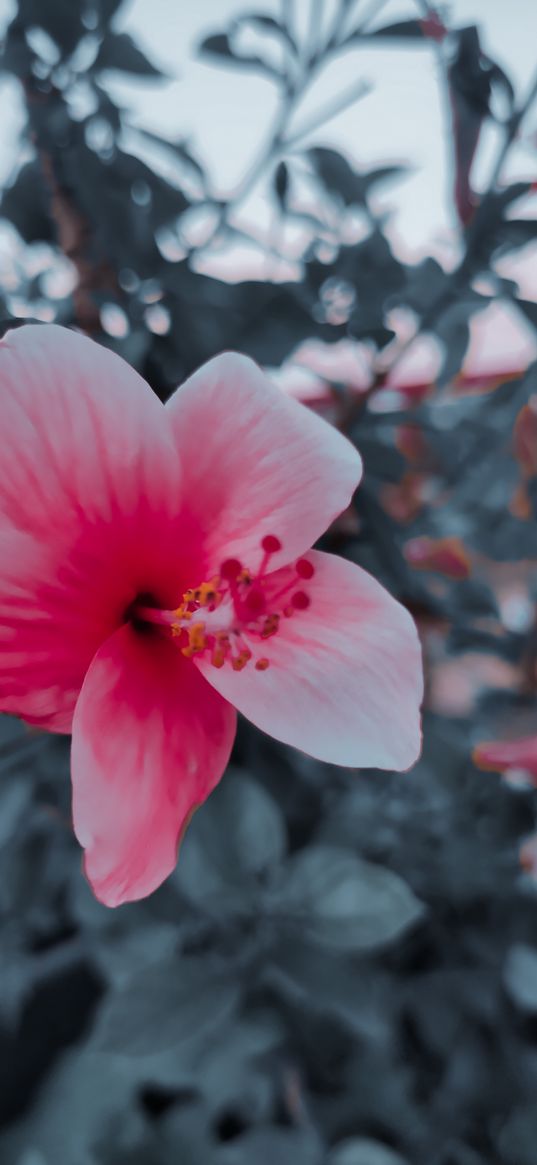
column 231, row 615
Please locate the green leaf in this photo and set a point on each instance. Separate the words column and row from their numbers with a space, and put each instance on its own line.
column 61, row 19
column 27, row 206
column 234, row 840
column 179, row 148
column 453, row 330
column 362, row 1151
column 107, row 9
column 345, row 903
column 340, row 178
column 336, row 174
column 520, row 976
column 273, row 1146
column 281, row 183
column 219, row 45
column 515, row 233
column 399, row 30
column 118, row 51
column 528, row 309
column 164, row 1006
column 267, row 24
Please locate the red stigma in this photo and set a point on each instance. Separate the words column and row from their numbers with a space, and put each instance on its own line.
column 271, row 544
column 230, row 569
column 304, row 569
column 248, row 607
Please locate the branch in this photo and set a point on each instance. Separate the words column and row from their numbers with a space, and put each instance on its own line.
column 355, row 93
column 512, row 130
column 74, row 229
column 354, row 408
column 277, row 142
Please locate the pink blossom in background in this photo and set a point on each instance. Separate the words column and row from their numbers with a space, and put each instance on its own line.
column 501, row 344
column 157, row 575
column 528, row 856
column 499, row 756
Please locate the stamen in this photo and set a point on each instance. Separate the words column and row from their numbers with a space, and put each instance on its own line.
column 197, row 640
column 300, row 600
column 223, row 617
column 207, row 593
column 240, row 660
column 304, row 569
column 270, row 626
column 221, row 649
column 271, row 544
column 230, row 569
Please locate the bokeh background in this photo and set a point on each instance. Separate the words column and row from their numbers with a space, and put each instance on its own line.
column 343, row 968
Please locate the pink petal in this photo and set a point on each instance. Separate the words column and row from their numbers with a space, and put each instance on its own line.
column 150, row 742
column 345, row 677
column 88, row 488
column 256, row 462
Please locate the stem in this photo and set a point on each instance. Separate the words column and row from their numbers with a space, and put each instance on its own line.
column 371, row 12
column 330, row 110
column 513, row 126
column 337, row 34
column 314, row 39
column 276, row 142
column 287, row 15
column 429, row 13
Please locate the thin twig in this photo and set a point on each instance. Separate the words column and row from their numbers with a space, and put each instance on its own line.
column 374, row 8
column 276, row 141
column 314, row 45
column 513, row 127
column 337, row 34
column 355, row 93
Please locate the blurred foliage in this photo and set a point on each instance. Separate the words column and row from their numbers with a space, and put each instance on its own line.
column 343, row 969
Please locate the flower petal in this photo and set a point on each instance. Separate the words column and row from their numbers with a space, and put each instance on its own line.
column 150, row 741
column 256, row 462
column 345, row 677
column 89, row 483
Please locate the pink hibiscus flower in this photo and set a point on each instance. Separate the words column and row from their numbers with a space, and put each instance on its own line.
column 156, row 576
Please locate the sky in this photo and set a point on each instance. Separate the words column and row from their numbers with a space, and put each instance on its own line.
column 226, row 113
column 402, row 120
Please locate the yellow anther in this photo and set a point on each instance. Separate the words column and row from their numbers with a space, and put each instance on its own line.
column 241, row 659
column 261, row 664
column 207, row 593
column 270, row 626
column 197, row 639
